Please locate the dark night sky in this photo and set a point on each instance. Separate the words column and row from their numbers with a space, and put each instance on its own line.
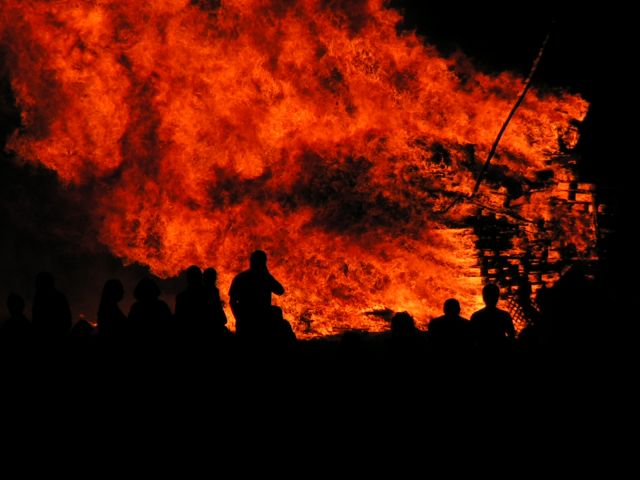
column 587, row 54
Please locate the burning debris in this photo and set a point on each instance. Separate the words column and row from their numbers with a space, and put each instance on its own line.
column 308, row 129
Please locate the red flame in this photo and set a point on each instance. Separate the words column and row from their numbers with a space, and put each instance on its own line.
column 310, row 129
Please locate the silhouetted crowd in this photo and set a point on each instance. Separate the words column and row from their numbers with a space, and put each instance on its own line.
column 199, row 321
column 198, row 317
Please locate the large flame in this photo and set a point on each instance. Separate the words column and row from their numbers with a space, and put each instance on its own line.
column 311, row 129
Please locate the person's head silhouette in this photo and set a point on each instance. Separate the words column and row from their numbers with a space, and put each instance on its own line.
column 146, row 290
column 15, row 305
column 451, row 307
column 44, row 281
column 490, row 295
column 194, row 276
column 113, row 291
column 258, row 260
column 210, row 277
column 402, row 324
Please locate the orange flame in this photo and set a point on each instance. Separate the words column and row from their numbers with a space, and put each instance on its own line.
column 310, row 129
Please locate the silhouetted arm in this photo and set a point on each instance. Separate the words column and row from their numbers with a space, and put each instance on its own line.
column 276, row 286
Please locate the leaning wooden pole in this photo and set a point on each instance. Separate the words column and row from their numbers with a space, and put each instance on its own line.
column 494, row 147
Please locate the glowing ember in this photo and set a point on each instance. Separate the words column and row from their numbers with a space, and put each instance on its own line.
column 309, row 129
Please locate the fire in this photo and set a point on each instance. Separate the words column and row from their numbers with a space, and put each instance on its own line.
column 311, row 129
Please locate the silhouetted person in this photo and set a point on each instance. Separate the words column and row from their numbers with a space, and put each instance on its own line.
column 51, row 313
column 191, row 305
column 215, row 309
column 149, row 316
column 112, row 323
column 572, row 312
column 82, row 329
column 250, row 296
column 405, row 337
column 280, row 332
column 492, row 328
column 450, row 333
column 402, row 326
column 17, row 328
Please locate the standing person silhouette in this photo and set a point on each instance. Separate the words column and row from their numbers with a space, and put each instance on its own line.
column 51, row 317
column 250, row 297
column 149, row 317
column 112, row 322
column 191, row 305
column 17, row 328
column 450, row 334
column 492, row 328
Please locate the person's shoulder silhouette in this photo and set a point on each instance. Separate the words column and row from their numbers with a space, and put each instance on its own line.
column 112, row 322
column 191, row 304
column 82, row 329
column 492, row 327
column 17, row 326
column 149, row 315
column 250, row 294
column 281, row 332
column 406, row 339
column 51, row 315
column 403, row 325
column 450, row 331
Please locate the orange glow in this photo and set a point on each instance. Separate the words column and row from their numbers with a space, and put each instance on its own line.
column 310, row 129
